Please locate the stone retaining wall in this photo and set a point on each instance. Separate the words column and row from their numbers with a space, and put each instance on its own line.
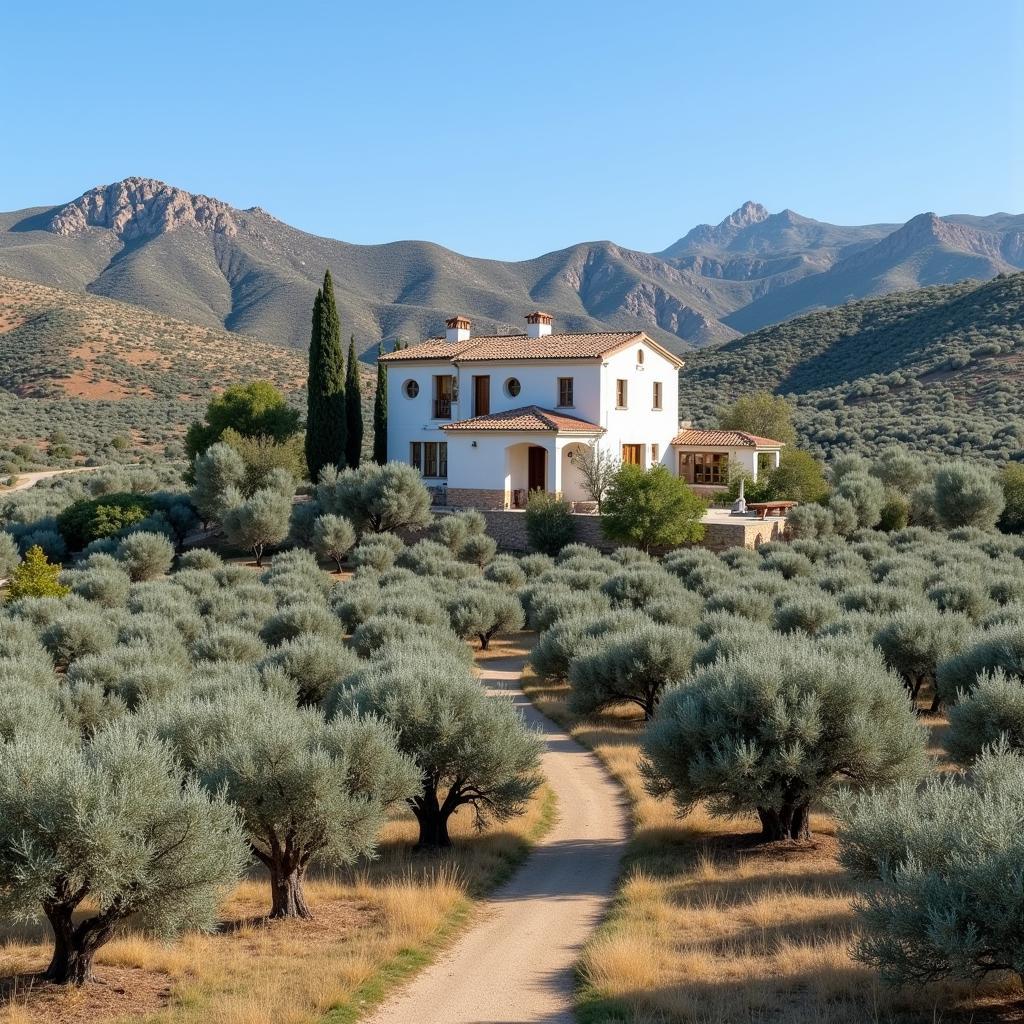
column 508, row 528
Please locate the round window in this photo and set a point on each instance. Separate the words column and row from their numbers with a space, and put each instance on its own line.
column 513, row 387
column 411, row 389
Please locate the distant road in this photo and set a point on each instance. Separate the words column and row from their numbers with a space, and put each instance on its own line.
column 23, row 481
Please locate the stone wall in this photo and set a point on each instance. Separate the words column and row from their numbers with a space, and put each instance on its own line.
column 508, row 528
column 475, row 497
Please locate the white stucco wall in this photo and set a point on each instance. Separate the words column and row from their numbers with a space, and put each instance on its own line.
column 639, row 422
column 538, row 386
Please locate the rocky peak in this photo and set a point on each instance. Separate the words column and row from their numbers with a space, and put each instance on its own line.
column 749, row 213
column 141, row 208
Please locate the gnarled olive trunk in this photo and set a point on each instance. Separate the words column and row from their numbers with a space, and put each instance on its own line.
column 432, row 814
column 74, row 947
column 288, row 897
column 791, row 822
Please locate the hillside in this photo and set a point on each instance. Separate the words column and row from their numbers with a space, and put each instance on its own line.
column 198, row 259
column 96, row 369
column 940, row 369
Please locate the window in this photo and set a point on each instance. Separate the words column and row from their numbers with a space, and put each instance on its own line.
column 411, row 389
column 656, row 395
column 639, row 357
column 513, row 387
column 565, row 391
column 633, row 454
column 444, row 392
column 621, row 394
column 655, row 454
column 711, row 467
column 430, row 458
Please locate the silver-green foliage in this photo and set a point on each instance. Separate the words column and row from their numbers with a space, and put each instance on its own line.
column 942, row 865
column 115, row 829
column 774, row 726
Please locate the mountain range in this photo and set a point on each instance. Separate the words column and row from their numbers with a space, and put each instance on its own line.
column 199, row 259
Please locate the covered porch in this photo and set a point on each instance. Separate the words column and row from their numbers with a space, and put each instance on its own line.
column 706, row 459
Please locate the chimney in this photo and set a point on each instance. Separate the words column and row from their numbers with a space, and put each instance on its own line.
column 457, row 328
column 538, row 324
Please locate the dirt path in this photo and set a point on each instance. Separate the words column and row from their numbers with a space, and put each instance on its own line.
column 516, row 963
column 26, row 480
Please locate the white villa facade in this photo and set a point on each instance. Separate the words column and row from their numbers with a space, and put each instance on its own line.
column 488, row 419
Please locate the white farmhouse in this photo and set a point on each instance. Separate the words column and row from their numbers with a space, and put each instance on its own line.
column 491, row 418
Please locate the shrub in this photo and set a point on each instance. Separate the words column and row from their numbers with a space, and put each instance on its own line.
column 478, row 550
column 114, row 829
column 377, row 499
column 9, row 554
column 429, row 558
column 772, row 727
column 807, row 613
column 1001, row 647
column 145, row 555
column 76, row 633
column 297, row 619
column 941, row 862
column 954, row 596
column 312, row 664
column 258, row 523
column 966, row 495
column 552, row 603
column 506, row 572
column 378, row 551
column 89, row 519
column 992, row 713
column 809, row 521
column 471, row 749
column 636, row 587
column 333, row 537
column 34, row 576
column 631, row 667
column 760, row 413
column 799, row 477
column 106, row 587
column 484, row 610
column 228, row 643
column 865, row 493
column 200, row 558
column 549, row 523
column 219, row 475
column 651, row 508
column 1012, row 481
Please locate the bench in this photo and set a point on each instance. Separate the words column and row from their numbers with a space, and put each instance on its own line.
column 770, row 508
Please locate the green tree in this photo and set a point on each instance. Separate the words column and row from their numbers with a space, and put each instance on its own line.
column 306, row 790
column 549, row 523
column 651, row 508
column 483, row 610
column 353, row 409
column 333, row 538
column 219, row 475
column 762, row 414
column 380, row 411
column 259, row 522
column 1012, row 480
column 773, row 726
column 262, row 455
column 96, row 834
column 256, row 409
column 471, row 749
column 34, row 576
column 799, row 477
column 326, row 417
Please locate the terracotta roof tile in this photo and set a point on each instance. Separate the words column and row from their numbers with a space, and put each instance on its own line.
column 725, row 438
column 529, row 417
column 522, row 346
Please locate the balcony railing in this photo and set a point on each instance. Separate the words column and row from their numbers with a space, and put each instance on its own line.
column 442, row 408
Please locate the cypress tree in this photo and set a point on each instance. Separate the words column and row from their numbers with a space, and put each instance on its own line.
column 326, row 419
column 353, row 408
column 380, row 412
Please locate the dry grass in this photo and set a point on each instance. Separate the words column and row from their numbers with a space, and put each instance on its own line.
column 373, row 926
column 711, row 928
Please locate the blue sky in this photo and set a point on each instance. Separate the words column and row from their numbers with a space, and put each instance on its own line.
column 510, row 129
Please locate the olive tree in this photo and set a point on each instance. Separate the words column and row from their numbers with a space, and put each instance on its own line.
column 941, row 865
column 775, row 726
column 98, row 833
column 333, row 538
column 483, row 610
column 471, row 749
column 258, row 522
column 631, row 667
column 998, row 648
column 305, row 789
column 377, row 499
column 217, row 473
column 145, row 555
column 993, row 712
column 966, row 495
